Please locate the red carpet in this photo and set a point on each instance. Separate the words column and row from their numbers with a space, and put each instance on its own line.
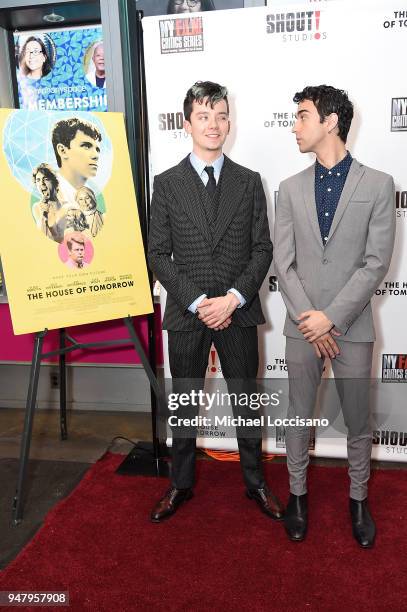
column 218, row 552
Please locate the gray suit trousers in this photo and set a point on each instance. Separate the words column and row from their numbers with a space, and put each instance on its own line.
column 352, row 369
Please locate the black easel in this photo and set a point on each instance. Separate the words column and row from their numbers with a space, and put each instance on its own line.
column 137, row 135
column 138, row 461
column 149, row 464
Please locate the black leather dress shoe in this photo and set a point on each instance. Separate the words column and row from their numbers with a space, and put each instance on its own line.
column 168, row 505
column 363, row 527
column 269, row 503
column 296, row 517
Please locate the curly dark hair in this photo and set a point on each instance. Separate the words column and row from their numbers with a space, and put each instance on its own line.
column 65, row 131
column 48, row 172
column 329, row 100
column 46, row 67
column 202, row 89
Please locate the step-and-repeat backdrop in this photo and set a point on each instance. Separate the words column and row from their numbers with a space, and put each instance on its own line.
column 264, row 55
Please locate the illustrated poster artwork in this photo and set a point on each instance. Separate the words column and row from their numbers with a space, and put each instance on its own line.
column 74, row 210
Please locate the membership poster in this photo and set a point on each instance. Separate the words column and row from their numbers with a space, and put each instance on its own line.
column 70, row 238
column 61, row 69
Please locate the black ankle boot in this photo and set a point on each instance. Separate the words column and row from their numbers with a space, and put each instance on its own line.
column 296, row 517
column 363, row 527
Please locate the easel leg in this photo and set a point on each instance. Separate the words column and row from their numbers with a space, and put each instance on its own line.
column 62, row 386
column 28, row 423
column 146, row 364
column 156, row 465
column 151, row 377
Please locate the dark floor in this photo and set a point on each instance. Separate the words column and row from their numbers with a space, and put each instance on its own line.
column 47, row 483
column 57, row 466
column 89, row 434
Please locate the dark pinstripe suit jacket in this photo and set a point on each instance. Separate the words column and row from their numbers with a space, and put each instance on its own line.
column 190, row 256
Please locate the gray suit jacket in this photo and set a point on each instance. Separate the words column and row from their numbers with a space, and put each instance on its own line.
column 341, row 277
column 190, row 257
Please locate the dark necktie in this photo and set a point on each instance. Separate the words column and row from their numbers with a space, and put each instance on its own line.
column 211, row 184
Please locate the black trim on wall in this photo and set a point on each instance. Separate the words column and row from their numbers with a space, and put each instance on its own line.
column 136, row 105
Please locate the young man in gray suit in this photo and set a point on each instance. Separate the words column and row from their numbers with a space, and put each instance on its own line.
column 334, row 236
column 210, row 247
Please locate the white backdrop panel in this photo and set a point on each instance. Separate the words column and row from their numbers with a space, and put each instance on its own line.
column 264, row 55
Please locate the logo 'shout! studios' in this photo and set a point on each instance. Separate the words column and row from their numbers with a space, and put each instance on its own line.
column 394, row 367
column 401, row 204
column 172, row 123
column 295, row 27
column 399, row 115
column 182, row 35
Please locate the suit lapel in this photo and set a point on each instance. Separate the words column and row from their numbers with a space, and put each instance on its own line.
column 310, row 204
column 355, row 173
column 232, row 189
column 188, row 196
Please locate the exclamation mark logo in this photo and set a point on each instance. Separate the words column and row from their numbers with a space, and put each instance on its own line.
column 213, row 358
column 317, row 16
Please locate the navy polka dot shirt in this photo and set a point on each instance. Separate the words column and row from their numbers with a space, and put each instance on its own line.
column 328, row 188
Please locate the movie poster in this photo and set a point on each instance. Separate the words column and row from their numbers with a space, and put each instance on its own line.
column 61, row 70
column 70, row 238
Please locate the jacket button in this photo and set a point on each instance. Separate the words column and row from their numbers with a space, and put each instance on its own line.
column 325, row 261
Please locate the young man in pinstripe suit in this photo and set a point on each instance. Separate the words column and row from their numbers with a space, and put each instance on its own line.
column 210, row 248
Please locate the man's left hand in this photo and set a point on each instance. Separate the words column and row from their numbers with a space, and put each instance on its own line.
column 214, row 311
column 314, row 324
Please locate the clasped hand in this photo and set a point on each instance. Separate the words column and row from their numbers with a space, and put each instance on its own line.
column 217, row 312
column 314, row 324
column 318, row 329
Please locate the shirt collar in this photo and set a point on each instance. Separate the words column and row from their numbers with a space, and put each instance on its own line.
column 339, row 170
column 67, row 191
column 199, row 165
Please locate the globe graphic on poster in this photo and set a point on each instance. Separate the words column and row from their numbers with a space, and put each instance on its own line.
column 27, row 143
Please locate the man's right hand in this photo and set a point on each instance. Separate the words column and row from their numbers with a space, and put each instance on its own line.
column 215, row 311
column 326, row 346
column 223, row 325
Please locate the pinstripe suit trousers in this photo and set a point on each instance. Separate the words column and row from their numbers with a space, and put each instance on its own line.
column 188, row 356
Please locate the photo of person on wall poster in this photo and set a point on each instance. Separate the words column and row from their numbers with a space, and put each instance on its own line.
column 183, row 7
column 189, row 6
column 61, row 69
column 35, row 60
column 94, row 65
